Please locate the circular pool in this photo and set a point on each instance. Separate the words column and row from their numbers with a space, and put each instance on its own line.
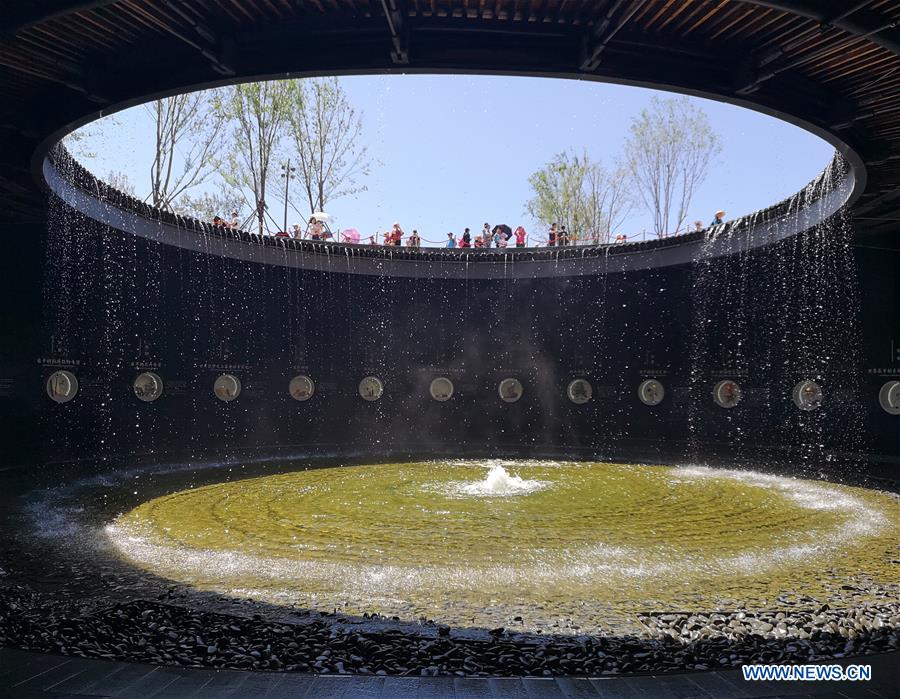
column 481, row 543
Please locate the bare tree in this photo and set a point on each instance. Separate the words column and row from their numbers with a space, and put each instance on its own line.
column 119, row 180
column 256, row 115
column 668, row 154
column 77, row 144
column 326, row 132
column 187, row 131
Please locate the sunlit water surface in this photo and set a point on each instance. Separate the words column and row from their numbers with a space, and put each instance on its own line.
column 477, row 542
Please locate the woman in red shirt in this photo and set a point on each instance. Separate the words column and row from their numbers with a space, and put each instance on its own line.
column 396, row 234
column 520, row 237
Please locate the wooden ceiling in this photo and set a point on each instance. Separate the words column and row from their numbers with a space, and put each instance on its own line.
column 834, row 65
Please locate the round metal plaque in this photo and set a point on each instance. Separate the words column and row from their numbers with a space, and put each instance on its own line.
column 147, row 386
column 807, row 395
column 301, row 388
column 227, row 387
column 371, row 388
column 579, row 391
column 889, row 397
column 62, row 386
column 510, row 390
column 727, row 394
column 441, row 389
column 651, row 392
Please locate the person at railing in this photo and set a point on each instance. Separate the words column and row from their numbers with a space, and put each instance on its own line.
column 551, row 236
column 451, row 241
column 235, row 220
column 621, row 239
column 396, row 235
column 500, row 239
column 719, row 218
column 316, row 228
column 466, row 240
column 414, row 241
column 562, row 238
column 296, row 233
column 479, row 241
column 521, row 236
column 698, row 226
column 486, row 236
column 218, row 221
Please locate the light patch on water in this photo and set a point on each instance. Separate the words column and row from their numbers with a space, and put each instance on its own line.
column 805, row 494
column 435, row 533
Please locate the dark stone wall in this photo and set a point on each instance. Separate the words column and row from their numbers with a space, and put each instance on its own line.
column 106, row 306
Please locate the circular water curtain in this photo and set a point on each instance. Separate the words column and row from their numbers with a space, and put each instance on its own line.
column 148, row 386
column 510, row 390
column 62, row 386
column 371, row 388
column 727, row 394
column 441, row 389
column 301, row 388
column 579, row 391
column 227, row 387
column 807, row 395
column 651, row 392
column 889, row 397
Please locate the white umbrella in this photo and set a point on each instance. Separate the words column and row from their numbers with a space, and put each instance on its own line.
column 321, row 216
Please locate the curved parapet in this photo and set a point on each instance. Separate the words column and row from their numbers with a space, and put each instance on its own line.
column 816, row 203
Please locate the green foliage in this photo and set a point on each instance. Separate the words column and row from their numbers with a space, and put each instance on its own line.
column 581, row 194
column 255, row 115
column 208, row 205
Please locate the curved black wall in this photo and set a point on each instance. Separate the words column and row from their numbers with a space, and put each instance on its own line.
column 106, row 305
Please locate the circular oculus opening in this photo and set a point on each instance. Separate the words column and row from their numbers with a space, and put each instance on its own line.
column 839, row 183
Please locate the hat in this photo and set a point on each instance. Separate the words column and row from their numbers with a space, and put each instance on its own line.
column 720, row 214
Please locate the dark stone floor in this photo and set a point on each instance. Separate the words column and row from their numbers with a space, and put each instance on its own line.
column 26, row 674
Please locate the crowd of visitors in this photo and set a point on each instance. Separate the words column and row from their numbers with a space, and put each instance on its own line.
column 500, row 236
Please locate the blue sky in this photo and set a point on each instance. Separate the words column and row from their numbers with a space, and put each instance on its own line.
column 456, row 151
